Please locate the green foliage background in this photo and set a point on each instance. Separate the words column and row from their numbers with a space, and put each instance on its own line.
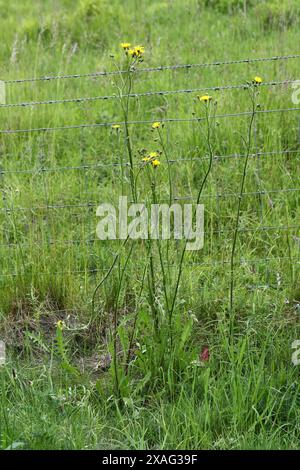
column 247, row 395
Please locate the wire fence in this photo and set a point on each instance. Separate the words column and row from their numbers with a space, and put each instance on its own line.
column 109, row 124
column 212, row 263
column 89, row 201
column 240, row 86
column 90, row 241
column 157, row 69
column 187, row 160
column 91, row 204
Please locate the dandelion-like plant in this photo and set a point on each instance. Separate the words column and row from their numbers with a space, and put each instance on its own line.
column 116, row 127
column 155, row 163
column 125, row 46
column 205, row 99
column 156, row 125
column 124, row 84
column 253, row 93
column 257, row 80
column 135, row 52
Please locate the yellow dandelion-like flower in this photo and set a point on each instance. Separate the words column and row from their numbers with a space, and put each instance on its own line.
column 151, row 156
column 156, row 125
column 139, row 50
column 116, row 127
column 205, row 98
column 257, row 80
column 60, row 324
column 155, row 163
column 125, row 45
column 136, row 52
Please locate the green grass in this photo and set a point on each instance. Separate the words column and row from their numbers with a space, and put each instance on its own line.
column 55, row 395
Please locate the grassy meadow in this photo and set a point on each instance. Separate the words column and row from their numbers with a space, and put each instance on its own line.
column 113, row 345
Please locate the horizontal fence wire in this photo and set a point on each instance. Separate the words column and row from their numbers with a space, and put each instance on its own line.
column 241, row 262
column 127, row 164
column 148, row 121
column 145, row 94
column 91, row 241
column 92, row 204
column 155, row 69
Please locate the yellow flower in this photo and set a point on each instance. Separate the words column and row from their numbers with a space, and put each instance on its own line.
column 60, row 324
column 205, row 98
column 151, row 158
column 125, row 45
column 115, row 126
column 156, row 125
column 257, row 80
column 155, row 163
column 137, row 51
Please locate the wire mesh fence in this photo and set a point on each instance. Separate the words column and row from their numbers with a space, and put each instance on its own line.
column 51, row 183
column 158, row 69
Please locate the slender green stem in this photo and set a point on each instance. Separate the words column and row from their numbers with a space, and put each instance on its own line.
column 168, row 162
column 134, row 322
column 248, row 143
column 163, row 146
column 127, row 87
column 153, row 187
column 152, row 290
column 210, row 149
